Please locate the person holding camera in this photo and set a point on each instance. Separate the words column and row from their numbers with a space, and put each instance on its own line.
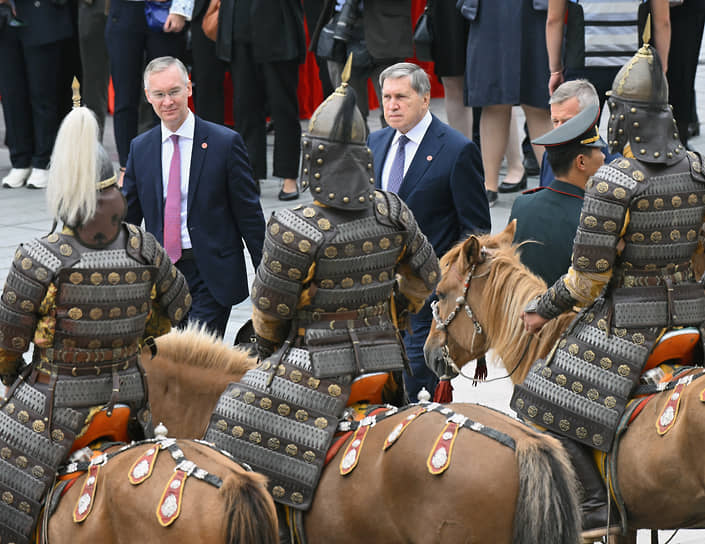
column 377, row 32
column 31, row 37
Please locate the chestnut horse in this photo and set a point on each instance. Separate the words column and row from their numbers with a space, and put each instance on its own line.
column 239, row 511
column 661, row 477
column 489, row 493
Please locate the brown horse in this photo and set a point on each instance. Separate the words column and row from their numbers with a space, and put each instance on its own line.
column 489, row 493
column 239, row 511
column 661, row 477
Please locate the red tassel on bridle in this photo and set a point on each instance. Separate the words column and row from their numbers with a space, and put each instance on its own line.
column 444, row 391
column 480, row 370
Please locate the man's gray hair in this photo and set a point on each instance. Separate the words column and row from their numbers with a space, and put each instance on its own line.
column 417, row 76
column 164, row 63
column 581, row 89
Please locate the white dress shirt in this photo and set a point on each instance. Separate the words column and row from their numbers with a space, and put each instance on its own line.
column 415, row 136
column 185, row 134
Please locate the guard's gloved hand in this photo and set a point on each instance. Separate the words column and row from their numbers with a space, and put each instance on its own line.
column 265, row 347
column 8, row 379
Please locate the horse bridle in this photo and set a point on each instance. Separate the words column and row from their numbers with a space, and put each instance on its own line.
column 461, row 303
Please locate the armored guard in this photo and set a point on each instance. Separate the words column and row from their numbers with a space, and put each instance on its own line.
column 336, row 278
column 630, row 273
column 85, row 297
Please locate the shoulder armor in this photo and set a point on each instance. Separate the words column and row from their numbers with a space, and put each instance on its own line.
column 696, row 166
column 291, row 243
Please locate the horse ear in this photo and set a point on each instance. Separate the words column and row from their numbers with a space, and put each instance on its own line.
column 507, row 235
column 471, row 250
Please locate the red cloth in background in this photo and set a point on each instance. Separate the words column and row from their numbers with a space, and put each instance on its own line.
column 309, row 90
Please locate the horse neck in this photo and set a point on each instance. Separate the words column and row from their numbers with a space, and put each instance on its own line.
column 183, row 395
column 518, row 349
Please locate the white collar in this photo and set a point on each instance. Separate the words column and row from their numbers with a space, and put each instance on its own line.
column 186, row 130
column 417, row 133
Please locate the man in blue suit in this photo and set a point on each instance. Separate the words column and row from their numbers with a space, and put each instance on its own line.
column 212, row 205
column 438, row 173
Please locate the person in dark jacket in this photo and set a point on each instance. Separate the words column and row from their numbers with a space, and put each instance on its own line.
column 264, row 41
column 548, row 216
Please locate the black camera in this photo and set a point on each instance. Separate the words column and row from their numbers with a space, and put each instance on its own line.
column 346, row 20
column 8, row 19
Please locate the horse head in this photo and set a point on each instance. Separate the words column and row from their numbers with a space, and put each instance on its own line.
column 459, row 333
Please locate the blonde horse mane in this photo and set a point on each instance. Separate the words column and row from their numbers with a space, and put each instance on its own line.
column 197, row 346
column 509, row 287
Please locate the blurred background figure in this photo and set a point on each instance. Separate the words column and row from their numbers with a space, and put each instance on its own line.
column 264, row 42
column 592, row 39
column 687, row 21
column 32, row 40
column 506, row 64
column 377, row 32
column 131, row 44
column 207, row 71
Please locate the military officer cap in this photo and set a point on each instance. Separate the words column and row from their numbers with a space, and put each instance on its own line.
column 581, row 129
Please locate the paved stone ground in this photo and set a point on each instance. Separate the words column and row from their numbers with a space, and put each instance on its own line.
column 23, row 215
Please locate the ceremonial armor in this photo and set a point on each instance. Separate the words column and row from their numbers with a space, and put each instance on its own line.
column 85, row 310
column 330, row 274
column 581, row 389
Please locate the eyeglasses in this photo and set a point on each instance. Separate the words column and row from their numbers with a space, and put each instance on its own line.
column 161, row 95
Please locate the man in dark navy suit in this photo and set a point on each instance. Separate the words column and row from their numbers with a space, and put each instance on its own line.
column 216, row 199
column 439, row 176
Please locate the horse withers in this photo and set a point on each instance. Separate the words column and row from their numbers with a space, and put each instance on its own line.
column 519, row 491
column 654, row 470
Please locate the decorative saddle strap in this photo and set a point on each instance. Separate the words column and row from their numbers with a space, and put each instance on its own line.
column 670, row 410
column 401, row 427
column 87, row 495
column 169, row 505
column 439, row 458
column 142, row 468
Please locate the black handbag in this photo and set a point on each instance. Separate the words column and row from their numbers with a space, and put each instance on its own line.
column 423, row 37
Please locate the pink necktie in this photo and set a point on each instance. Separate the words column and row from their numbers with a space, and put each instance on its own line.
column 172, row 207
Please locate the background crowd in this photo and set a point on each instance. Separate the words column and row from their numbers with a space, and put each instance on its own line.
column 489, row 56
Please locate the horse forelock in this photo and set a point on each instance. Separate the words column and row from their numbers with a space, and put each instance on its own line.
column 196, row 346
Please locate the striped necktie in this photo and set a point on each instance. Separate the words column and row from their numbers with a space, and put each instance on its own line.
column 396, row 174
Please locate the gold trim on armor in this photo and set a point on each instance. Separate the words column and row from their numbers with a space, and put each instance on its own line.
column 101, row 185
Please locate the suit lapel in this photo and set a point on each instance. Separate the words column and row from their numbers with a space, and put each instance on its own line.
column 198, row 156
column 427, row 152
column 381, row 154
column 154, row 149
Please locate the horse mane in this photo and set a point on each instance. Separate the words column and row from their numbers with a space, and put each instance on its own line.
column 197, row 346
column 509, row 287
